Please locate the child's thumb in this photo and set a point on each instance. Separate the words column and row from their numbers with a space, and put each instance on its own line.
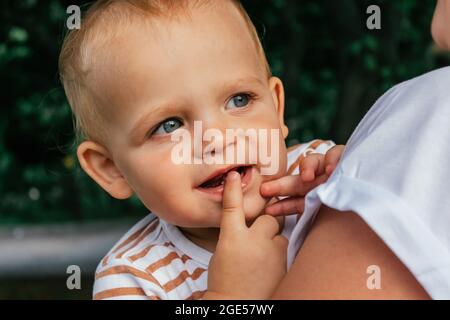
column 233, row 216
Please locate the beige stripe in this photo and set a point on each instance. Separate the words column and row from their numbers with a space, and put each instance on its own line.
column 129, row 239
column 316, row 143
column 142, row 253
column 172, row 284
column 124, row 243
column 145, row 251
column 127, row 269
column 295, row 164
column 105, row 260
column 196, row 295
column 144, row 234
column 116, row 292
column 165, row 261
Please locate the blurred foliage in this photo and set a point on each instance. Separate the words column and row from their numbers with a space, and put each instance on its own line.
column 333, row 69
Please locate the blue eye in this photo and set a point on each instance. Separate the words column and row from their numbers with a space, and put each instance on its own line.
column 239, row 101
column 168, row 126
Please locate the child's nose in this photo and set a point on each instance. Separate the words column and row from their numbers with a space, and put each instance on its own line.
column 217, row 149
column 211, row 134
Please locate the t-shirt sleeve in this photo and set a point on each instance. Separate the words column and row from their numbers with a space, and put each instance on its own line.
column 122, row 280
column 393, row 173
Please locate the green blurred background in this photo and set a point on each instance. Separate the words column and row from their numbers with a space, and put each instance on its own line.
column 332, row 66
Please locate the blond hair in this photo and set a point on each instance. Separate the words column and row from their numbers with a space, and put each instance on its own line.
column 77, row 52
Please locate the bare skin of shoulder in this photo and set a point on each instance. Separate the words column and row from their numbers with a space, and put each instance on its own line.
column 333, row 262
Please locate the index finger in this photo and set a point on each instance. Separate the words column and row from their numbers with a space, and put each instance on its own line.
column 233, row 215
column 289, row 186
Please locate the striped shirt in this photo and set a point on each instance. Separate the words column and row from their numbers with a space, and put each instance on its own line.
column 155, row 261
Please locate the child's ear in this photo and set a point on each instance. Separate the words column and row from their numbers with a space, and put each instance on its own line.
column 276, row 87
column 97, row 163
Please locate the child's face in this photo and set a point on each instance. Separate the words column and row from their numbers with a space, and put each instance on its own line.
column 186, row 70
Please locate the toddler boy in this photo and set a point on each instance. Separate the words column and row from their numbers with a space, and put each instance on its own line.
column 137, row 74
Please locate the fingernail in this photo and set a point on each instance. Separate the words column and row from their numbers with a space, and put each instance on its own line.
column 232, row 175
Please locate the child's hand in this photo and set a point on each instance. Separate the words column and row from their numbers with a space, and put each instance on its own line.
column 249, row 262
column 316, row 164
column 314, row 170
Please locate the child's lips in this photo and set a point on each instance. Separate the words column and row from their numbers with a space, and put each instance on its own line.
column 216, row 192
column 221, row 172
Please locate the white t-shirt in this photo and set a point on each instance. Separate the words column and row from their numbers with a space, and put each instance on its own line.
column 154, row 260
column 395, row 174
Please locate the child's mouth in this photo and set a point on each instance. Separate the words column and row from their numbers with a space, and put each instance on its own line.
column 215, row 183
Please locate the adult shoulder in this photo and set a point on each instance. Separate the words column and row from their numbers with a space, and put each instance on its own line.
column 393, row 175
column 343, row 258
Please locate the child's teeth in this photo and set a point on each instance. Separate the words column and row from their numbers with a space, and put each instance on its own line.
column 216, row 182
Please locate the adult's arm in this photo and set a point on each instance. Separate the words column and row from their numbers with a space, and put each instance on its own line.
column 392, row 210
column 333, row 260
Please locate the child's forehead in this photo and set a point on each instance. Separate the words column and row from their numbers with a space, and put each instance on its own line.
column 218, row 24
column 143, row 59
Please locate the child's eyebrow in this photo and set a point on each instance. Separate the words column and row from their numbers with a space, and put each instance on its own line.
column 139, row 129
column 241, row 81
